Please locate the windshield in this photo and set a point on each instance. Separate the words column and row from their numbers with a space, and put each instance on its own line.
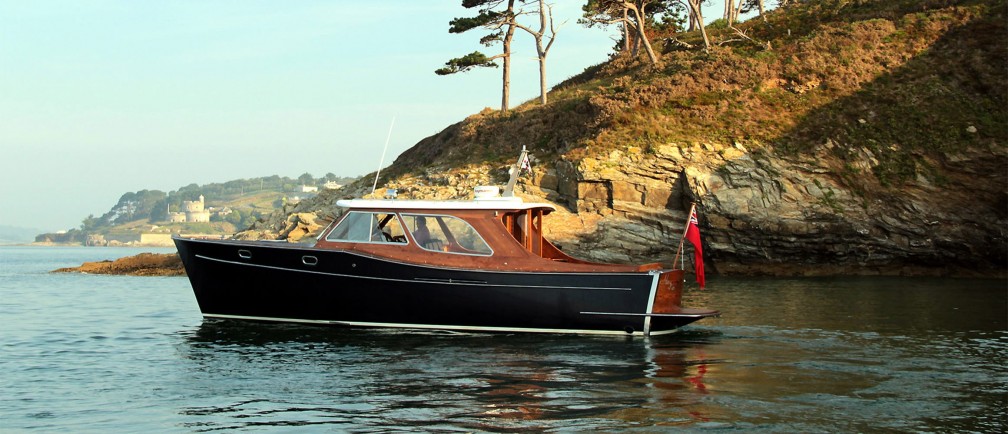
column 368, row 227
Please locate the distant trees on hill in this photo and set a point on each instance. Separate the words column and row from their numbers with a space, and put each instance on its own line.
column 133, row 206
column 154, row 205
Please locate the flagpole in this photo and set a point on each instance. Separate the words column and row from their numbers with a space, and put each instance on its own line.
column 682, row 240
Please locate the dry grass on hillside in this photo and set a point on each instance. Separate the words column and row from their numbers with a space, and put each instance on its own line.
column 903, row 79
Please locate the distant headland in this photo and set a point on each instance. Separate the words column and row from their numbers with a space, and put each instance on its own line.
column 149, row 218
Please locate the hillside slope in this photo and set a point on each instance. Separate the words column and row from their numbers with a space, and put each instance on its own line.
column 839, row 136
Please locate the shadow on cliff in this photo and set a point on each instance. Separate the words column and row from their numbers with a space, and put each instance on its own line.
column 921, row 151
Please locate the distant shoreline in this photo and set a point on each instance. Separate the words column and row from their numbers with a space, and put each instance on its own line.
column 50, row 244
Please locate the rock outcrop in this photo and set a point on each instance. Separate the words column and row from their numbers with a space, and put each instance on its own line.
column 295, row 227
column 144, row 264
column 764, row 214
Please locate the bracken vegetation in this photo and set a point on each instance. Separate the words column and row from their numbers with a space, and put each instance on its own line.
column 899, row 82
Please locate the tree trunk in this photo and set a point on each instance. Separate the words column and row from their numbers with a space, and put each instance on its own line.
column 643, row 40
column 543, row 51
column 732, row 11
column 647, row 45
column 542, row 80
column 506, row 88
column 508, row 35
column 695, row 6
column 626, row 32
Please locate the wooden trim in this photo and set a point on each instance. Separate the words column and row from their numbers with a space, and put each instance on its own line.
column 515, row 248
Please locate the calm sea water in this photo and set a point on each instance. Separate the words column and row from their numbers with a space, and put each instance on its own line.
column 84, row 353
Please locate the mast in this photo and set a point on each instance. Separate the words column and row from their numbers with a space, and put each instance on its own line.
column 382, row 161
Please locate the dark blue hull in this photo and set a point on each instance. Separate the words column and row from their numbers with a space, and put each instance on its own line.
column 282, row 282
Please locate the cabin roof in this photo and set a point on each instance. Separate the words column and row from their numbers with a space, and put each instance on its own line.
column 496, row 203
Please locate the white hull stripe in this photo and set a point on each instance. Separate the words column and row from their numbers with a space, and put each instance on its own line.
column 649, row 315
column 413, row 281
column 437, row 327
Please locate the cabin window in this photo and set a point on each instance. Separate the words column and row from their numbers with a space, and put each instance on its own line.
column 368, row 227
column 526, row 228
column 443, row 233
column 516, row 223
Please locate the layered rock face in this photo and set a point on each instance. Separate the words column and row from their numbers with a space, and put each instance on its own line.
column 763, row 214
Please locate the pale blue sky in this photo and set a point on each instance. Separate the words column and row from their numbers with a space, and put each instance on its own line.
column 102, row 97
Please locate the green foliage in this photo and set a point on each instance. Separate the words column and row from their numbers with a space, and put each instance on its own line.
column 90, row 224
column 236, row 218
column 464, row 24
column 306, row 179
column 465, row 63
column 133, row 206
column 75, row 236
column 718, row 24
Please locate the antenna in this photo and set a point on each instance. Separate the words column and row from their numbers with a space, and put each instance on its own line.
column 515, row 171
column 382, row 161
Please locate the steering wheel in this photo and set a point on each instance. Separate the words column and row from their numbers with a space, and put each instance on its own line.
column 399, row 239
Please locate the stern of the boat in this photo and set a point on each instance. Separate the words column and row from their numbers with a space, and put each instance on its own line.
column 668, row 292
column 666, row 313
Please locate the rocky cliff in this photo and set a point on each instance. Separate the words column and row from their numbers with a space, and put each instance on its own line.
column 872, row 138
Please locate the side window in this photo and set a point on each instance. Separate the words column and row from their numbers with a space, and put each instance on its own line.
column 367, row 227
column 441, row 233
column 391, row 228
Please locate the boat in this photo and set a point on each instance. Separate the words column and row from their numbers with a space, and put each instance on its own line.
column 468, row 265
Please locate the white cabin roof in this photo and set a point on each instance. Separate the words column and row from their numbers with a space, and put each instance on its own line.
column 495, row 203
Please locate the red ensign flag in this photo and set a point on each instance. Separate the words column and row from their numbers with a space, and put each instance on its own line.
column 693, row 235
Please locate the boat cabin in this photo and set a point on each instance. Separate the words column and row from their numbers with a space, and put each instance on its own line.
column 502, row 233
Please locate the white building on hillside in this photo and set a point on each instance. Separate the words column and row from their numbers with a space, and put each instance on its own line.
column 193, row 211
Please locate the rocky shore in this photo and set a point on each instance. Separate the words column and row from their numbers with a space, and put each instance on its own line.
column 144, row 264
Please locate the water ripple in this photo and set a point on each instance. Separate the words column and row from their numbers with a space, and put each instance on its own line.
column 112, row 354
